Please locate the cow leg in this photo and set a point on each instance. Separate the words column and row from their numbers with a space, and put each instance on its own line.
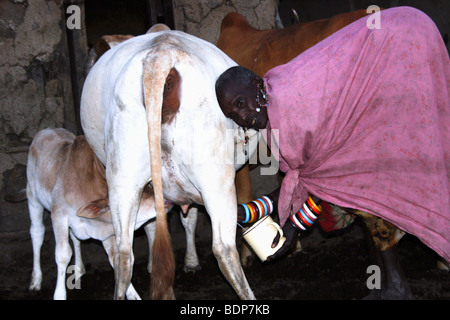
column 243, row 182
column 224, row 249
column 189, row 221
column 221, row 206
column 37, row 231
column 79, row 265
column 393, row 282
column 110, row 248
column 191, row 263
column 124, row 204
column 63, row 252
column 127, row 173
column 247, row 256
column 150, row 232
column 382, row 241
column 442, row 264
column 244, row 195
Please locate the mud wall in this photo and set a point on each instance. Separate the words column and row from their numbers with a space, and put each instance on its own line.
column 35, row 84
column 203, row 18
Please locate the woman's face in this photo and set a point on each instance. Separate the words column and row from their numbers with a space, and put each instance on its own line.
column 240, row 104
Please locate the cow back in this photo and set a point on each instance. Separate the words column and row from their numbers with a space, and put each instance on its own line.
column 46, row 158
column 262, row 50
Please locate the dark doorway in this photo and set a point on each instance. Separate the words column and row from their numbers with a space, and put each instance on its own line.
column 135, row 17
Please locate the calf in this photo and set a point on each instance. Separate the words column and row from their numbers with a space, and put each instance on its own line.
column 66, row 178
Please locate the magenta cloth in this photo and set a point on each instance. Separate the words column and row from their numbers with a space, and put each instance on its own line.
column 363, row 121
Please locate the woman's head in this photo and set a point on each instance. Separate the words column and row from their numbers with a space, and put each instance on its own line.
column 239, row 92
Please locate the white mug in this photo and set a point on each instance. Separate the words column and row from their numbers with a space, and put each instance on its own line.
column 260, row 237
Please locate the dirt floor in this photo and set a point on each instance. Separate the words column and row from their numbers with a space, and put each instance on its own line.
column 327, row 268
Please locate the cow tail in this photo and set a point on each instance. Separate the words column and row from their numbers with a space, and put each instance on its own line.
column 156, row 68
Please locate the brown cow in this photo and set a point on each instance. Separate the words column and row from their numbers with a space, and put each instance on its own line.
column 262, row 50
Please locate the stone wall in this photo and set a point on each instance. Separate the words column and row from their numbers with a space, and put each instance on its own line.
column 36, row 92
column 202, row 18
column 35, row 84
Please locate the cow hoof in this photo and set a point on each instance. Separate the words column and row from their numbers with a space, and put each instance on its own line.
column 248, row 262
column 79, row 272
column 192, row 269
column 36, row 281
column 443, row 265
column 35, row 287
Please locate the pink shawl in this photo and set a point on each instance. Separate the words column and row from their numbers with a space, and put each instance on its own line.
column 363, row 120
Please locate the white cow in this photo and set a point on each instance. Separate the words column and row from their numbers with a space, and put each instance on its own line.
column 189, row 215
column 65, row 177
column 150, row 113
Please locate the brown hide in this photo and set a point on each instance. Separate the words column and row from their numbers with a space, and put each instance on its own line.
column 106, row 42
column 384, row 234
column 50, row 167
column 171, row 96
column 100, row 47
column 94, row 209
column 84, row 179
column 262, row 50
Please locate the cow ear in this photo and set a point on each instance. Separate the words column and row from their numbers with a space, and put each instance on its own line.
column 100, row 47
column 93, row 209
column 171, row 96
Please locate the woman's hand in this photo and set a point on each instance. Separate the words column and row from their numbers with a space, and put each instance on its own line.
column 291, row 234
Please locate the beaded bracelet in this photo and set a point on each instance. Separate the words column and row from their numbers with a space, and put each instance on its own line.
column 247, row 213
column 257, row 209
column 252, row 211
column 307, row 215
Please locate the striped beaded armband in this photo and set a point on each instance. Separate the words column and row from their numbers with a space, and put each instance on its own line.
column 257, row 209
column 307, row 215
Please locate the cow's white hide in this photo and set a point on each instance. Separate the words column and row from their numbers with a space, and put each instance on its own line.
column 198, row 161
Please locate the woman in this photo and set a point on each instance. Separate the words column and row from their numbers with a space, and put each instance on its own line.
column 363, row 120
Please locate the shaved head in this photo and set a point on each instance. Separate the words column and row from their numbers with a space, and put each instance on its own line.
column 236, row 91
